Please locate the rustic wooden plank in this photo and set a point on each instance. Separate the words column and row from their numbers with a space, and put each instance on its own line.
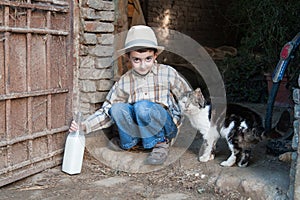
column 28, row 83
column 8, row 102
column 48, row 75
column 33, row 30
column 37, row 65
column 4, row 180
column 6, row 49
column 39, row 6
column 54, row 2
column 17, row 62
column 33, row 136
column 28, row 162
column 33, row 94
column 2, row 65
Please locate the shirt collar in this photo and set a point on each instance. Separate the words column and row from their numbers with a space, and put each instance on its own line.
column 152, row 70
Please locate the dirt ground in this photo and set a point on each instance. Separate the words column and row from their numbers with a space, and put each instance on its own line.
column 185, row 178
column 97, row 181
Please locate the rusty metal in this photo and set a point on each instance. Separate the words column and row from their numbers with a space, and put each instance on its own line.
column 37, row 73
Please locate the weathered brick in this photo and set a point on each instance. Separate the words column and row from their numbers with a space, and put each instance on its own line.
column 94, row 107
column 95, row 74
column 89, row 13
column 87, row 86
column 100, row 50
column 106, row 39
column 95, row 97
column 98, row 27
column 101, row 63
column 106, row 15
column 87, row 62
column 89, row 38
column 85, row 108
column 101, row 5
column 83, row 51
column 104, row 85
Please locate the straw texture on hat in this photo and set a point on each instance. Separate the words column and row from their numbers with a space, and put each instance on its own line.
column 138, row 37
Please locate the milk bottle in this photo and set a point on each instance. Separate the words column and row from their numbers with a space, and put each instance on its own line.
column 74, row 150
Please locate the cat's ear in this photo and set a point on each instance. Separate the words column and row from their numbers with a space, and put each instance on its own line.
column 200, row 97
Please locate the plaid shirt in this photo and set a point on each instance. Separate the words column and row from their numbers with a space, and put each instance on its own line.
column 162, row 85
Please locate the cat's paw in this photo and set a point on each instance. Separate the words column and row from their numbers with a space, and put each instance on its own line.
column 206, row 158
column 229, row 162
column 203, row 158
column 212, row 156
column 242, row 163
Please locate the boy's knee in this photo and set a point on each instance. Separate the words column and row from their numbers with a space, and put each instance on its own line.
column 140, row 105
column 145, row 109
column 142, row 108
column 118, row 108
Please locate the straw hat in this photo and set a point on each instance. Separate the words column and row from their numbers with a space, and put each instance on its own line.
column 140, row 36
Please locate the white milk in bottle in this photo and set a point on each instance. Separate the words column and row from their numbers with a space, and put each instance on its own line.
column 74, row 151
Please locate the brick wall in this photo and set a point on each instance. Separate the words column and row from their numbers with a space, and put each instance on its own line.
column 200, row 19
column 95, row 75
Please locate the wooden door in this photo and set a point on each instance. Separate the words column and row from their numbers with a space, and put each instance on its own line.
column 36, row 75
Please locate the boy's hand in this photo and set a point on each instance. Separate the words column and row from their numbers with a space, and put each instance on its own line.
column 75, row 127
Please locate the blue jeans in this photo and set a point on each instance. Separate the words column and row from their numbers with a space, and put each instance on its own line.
column 142, row 121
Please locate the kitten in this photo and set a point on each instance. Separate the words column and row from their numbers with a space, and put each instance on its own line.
column 242, row 128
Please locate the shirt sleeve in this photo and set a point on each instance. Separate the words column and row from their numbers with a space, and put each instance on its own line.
column 178, row 84
column 101, row 118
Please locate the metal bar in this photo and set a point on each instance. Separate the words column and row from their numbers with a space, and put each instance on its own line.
column 33, row 136
column 35, row 6
column 28, row 162
column 33, row 30
column 32, row 94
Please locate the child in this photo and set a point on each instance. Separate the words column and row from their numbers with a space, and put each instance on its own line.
column 142, row 103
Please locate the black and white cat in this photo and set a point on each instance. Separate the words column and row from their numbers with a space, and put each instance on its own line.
column 242, row 128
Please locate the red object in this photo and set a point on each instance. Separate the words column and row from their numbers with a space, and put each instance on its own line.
column 286, row 50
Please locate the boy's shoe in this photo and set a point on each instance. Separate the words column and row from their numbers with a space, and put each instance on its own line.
column 158, row 155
